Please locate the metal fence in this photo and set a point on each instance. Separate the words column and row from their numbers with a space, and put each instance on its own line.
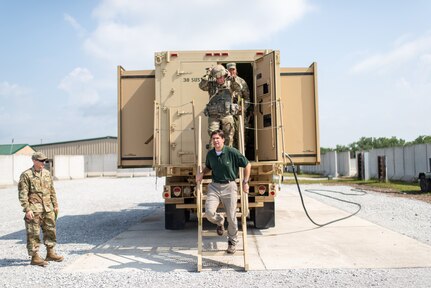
column 399, row 163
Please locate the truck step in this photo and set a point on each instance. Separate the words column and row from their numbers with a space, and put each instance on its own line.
column 213, row 233
column 238, row 214
column 194, row 206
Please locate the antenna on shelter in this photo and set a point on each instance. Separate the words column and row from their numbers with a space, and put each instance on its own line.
column 11, row 146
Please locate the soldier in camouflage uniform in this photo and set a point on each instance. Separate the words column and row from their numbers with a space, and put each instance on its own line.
column 244, row 93
column 238, row 97
column 39, row 202
column 220, row 108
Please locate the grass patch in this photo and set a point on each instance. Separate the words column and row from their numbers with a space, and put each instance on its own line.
column 397, row 186
column 288, row 174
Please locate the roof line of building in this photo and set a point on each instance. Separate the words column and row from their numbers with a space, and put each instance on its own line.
column 10, row 149
column 73, row 141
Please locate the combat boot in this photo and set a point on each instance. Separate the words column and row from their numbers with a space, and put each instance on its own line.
column 36, row 260
column 52, row 256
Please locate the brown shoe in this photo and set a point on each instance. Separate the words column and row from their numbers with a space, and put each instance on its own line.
column 231, row 248
column 36, row 260
column 220, row 230
column 52, row 256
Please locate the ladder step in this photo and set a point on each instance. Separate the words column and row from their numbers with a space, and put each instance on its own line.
column 208, row 233
column 222, row 253
column 194, row 206
column 238, row 214
column 213, row 233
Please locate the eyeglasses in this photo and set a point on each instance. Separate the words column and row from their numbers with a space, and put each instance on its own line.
column 41, row 161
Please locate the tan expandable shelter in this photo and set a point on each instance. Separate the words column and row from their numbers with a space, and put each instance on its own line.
column 158, row 109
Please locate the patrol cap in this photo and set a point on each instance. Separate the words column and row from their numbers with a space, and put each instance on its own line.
column 39, row 156
column 218, row 71
column 231, row 66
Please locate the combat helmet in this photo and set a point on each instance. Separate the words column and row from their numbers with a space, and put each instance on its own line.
column 219, row 71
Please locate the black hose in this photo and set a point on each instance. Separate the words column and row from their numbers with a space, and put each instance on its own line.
column 338, row 199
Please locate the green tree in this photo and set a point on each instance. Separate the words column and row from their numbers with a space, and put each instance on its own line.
column 421, row 140
column 364, row 143
column 384, row 142
column 324, row 150
column 369, row 143
column 341, row 148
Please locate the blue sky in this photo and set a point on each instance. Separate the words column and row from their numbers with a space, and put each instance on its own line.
column 59, row 58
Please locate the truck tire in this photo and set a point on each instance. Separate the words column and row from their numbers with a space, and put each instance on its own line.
column 264, row 217
column 424, row 183
column 175, row 219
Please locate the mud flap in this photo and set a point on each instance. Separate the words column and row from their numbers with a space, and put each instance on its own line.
column 264, row 217
column 175, row 219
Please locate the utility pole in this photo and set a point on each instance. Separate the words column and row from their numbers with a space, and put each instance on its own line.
column 11, row 146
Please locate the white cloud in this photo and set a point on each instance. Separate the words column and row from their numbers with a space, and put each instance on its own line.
column 129, row 31
column 80, row 87
column 404, row 52
column 11, row 90
column 72, row 21
column 426, row 58
column 403, row 83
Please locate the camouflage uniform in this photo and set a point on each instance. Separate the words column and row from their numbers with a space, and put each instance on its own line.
column 243, row 94
column 220, row 108
column 238, row 96
column 37, row 193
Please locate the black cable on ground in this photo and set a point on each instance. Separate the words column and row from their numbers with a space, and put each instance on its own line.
column 314, row 191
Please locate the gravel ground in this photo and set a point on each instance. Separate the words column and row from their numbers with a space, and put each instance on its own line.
column 94, row 210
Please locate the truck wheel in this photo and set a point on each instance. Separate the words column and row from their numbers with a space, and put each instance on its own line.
column 264, row 217
column 424, row 183
column 175, row 219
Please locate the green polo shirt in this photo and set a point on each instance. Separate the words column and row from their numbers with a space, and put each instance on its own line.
column 225, row 167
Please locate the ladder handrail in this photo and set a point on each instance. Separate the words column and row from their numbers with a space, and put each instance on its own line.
column 194, row 131
column 199, row 194
column 155, row 133
column 244, row 196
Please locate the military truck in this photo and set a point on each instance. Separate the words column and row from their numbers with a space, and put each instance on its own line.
column 158, row 112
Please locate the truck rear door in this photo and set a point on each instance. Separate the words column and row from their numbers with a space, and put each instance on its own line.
column 136, row 92
column 300, row 114
column 265, row 108
column 182, row 138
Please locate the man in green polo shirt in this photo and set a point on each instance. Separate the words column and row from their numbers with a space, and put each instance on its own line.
column 224, row 162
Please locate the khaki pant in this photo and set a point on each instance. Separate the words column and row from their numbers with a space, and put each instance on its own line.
column 46, row 220
column 225, row 123
column 228, row 195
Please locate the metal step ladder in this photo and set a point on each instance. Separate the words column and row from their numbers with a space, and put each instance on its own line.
column 242, row 213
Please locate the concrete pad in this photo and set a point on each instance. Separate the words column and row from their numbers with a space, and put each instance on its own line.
column 295, row 243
